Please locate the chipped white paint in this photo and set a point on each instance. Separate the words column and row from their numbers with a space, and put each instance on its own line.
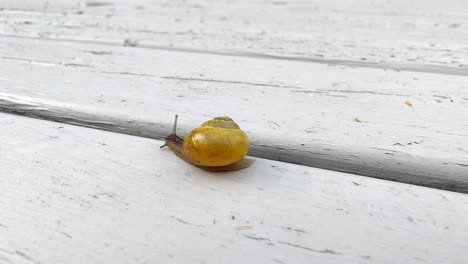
column 270, row 96
column 380, row 163
column 303, row 107
column 393, row 34
column 78, row 195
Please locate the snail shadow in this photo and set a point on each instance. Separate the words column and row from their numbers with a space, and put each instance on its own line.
column 225, row 173
column 242, row 164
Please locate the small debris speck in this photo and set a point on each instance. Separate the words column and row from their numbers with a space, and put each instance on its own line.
column 240, row 228
column 130, row 43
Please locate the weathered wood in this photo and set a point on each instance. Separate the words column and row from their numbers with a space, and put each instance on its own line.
column 306, row 80
column 297, row 112
column 78, row 195
column 425, row 170
column 393, row 34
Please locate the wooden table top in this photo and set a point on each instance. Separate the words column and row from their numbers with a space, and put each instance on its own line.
column 328, row 92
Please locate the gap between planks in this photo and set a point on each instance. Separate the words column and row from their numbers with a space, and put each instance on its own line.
column 448, row 70
column 372, row 162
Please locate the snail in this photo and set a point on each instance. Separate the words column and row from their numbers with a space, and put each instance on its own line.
column 217, row 145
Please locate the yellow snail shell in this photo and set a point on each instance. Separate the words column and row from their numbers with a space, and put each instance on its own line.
column 217, row 145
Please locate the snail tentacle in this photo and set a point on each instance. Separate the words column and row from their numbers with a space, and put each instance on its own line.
column 173, row 136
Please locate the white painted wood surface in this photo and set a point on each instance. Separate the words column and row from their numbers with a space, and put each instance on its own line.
column 322, row 83
column 393, row 34
column 422, row 170
column 307, row 99
column 79, row 195
column 306, row 108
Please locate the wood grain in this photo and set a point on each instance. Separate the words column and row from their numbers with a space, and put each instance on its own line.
column 418, row 35
column 298, row 112
column 385, row 164
column 372, row 88
column 82, row 195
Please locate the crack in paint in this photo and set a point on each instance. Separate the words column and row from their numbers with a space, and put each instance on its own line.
column 325, row 251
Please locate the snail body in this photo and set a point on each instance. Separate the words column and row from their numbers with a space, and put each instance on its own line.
column 217, row 145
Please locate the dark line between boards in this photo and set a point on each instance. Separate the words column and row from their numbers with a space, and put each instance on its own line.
column 371, row 162
column 435, row 69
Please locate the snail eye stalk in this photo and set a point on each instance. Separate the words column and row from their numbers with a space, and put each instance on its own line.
column 175, row 125
column 173, row 136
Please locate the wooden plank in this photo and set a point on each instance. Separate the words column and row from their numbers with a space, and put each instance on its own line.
column 82, row 195
column 297, row 112
column 374, row 162
column 419, row 35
